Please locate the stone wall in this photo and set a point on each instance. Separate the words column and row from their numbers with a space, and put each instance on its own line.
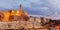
column 31, row 23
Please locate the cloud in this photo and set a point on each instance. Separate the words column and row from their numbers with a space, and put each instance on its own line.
column 9, row 3
column 45, row 7
column 33, row 4
column 54, row 3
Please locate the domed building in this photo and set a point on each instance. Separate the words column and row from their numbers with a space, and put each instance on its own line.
column 22, row 14
column 12, row 15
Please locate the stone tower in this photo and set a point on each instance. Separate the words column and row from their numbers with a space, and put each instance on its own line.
column 21, row 12
column 20, row 7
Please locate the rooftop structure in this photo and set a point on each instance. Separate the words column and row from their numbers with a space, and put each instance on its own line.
column 9, row 15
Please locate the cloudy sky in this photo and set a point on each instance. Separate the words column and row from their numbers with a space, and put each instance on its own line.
column 35, row 7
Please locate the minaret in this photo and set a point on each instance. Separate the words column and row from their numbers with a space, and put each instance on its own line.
column 21, row 12
column 20, row 8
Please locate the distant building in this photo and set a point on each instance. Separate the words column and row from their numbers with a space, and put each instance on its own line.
column 11, row 14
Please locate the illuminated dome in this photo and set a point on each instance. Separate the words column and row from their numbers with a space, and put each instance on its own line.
column 22, row 14
column 9, row 15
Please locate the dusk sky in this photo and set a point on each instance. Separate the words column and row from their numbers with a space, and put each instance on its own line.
column 35, row 7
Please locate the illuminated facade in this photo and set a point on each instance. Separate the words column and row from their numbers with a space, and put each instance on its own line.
column 9, row 15
column 9, row 20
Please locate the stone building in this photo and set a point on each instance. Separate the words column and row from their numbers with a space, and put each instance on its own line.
column 13, row 15
column 16, row 19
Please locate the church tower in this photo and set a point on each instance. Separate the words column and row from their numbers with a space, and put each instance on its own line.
column 20, row 7
column 21, row 12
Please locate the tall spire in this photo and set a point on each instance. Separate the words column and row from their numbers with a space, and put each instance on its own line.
column 21, row 12
column 20, row 7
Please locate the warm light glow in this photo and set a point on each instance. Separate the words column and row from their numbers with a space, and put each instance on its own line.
column 17, row 13
column 20, row 12
column 6, row 16
column 12, row 13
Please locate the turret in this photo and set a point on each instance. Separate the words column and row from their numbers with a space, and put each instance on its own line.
column 20, row 7
column 21, row 12
column 11, row 12
column 11, row 16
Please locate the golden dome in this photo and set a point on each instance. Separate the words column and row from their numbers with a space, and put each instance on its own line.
column 11, row 12
column 17, row 13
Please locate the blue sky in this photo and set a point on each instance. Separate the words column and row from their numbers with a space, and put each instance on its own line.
column 35, row 7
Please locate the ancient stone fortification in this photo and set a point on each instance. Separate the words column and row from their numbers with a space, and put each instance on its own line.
column 16, row 19
column 12, row 15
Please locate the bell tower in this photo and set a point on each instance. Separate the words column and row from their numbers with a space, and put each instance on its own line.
column 21, row 12
column 20, row 8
